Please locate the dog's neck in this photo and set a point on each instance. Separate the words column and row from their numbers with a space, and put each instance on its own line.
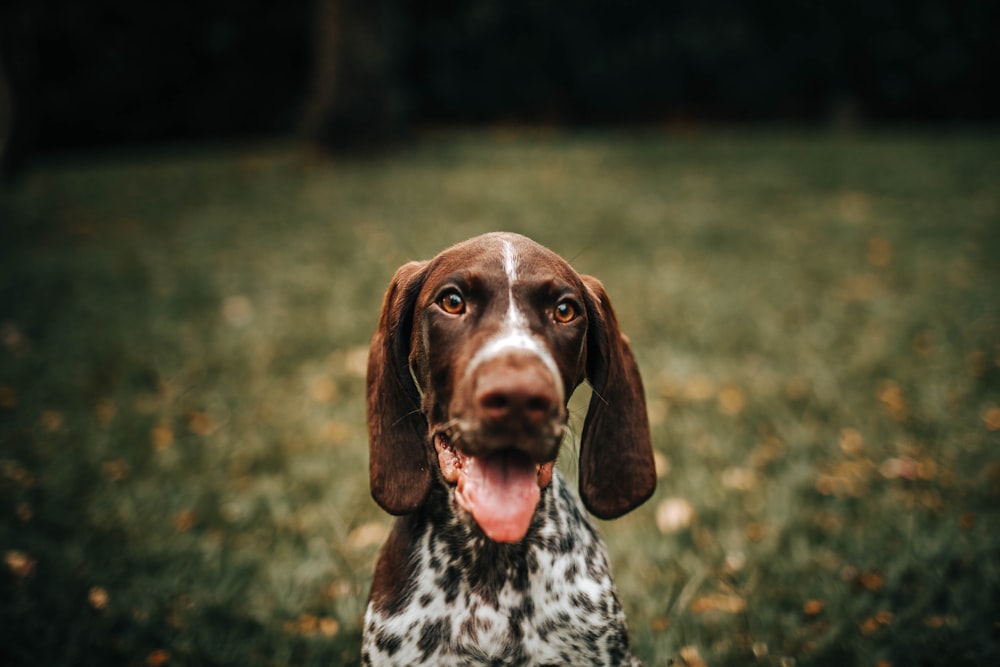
column 454, row 536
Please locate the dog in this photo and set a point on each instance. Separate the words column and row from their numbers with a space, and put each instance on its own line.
column 492, row 559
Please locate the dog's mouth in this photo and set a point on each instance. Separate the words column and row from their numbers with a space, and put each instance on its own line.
column 500, row 490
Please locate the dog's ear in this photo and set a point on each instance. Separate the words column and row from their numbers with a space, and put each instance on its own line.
column 398, row 458
column 616, row 455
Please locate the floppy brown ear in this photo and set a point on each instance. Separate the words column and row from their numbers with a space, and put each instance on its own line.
column 398, row 458
column 616, row 455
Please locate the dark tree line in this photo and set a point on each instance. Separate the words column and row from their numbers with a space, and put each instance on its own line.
column 351, row 73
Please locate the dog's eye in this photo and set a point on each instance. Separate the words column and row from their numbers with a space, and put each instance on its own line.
column 452, row 303
column 565, row 312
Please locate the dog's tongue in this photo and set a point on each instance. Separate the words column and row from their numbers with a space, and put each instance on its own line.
column 501, row 493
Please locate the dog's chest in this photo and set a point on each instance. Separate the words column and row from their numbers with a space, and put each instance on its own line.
column 553, row 603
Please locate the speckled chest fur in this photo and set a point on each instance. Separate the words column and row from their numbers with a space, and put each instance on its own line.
column 548, row 600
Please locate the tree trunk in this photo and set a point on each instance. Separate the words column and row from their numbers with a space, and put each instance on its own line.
column 356, row 100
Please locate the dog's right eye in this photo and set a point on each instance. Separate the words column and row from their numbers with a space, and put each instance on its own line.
column 452, row 303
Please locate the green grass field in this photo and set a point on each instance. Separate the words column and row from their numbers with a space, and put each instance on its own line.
column 183, row 452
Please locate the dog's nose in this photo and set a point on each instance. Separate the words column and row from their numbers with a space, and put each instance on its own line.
column 516, row 394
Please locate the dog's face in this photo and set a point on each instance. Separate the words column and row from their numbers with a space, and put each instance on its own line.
column 477, row 352
column 497, row 348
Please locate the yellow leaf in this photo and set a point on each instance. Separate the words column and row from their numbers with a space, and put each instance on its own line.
column 162, row 437
column 722, row 602
column 158, row 658
column 98, row 598
column 813, row 607
column 20, row 563
column 185, row 520
column 991, row 418
column 851, row 442
column 690, row 657
column 732, row 400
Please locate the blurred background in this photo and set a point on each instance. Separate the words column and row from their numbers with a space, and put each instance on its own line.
column 355, row 73
column 794, row 207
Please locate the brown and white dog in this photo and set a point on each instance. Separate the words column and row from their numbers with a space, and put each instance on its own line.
column 493, row 560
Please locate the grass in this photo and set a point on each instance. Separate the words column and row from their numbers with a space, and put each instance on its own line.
column 182, row 429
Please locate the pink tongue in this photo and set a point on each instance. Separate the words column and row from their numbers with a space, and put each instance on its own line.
column 501, row 493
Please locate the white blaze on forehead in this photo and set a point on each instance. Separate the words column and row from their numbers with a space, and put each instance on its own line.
column 510, row 261
column 515, row 318
column 515, row 336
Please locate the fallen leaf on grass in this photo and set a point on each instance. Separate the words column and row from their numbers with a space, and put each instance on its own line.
column 768, row 450
column 17, row 473
column 162, row 437
column 116, row 470
column 158, row 658
column 342, row 588
column 11, row 336
column 940, row 621
column 871, row 581
column 674, row 514
column 20, row 564
column 851, row 442
column 904, row 467
column 336, row 432
column 735, row 561
column 690, row 657
column 660, row 624
column 846, row 478
column 185, row 520
column 991, row 418
column 797, row 388
column 368, row 535
column 732, row 400
column 323, row 389
column 813, row 607
column 756, row 531
column 874, row 623
column 98, row 598
column 890, row 395
column 8, row 398
column 51, row 420
column 309, row 625
column 722, row 602
column 739, row 479
column 699, row 388
column 201, row 423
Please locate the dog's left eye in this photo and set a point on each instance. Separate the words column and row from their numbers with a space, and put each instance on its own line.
column 452, row 303
column 565, row 312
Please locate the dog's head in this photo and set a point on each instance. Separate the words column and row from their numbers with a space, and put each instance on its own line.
column 476, row 354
